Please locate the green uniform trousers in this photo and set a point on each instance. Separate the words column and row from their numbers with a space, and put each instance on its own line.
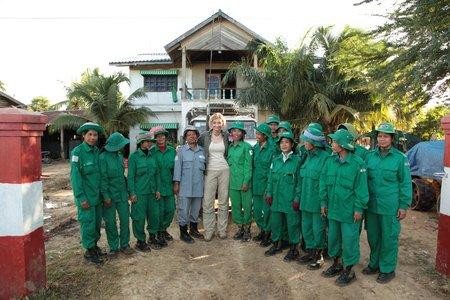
column 291, row 221
column 241, row 206
column 343, row 240
column 168, row 211
column 109, row 215
column 90, row 221
column 140, row 212
column 313, row 230
column 261, row 212
column 382, row 234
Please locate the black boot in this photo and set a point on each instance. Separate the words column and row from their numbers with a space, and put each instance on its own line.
column 247, row 236
column 370, row 271
column 153, row 242
column 292, row 254
column 385, row 277
column 193, row 231
column 167, row 236
column 285, row 245
column 142, row 246
column 259, row 237
column 346, row 277
column 318, row 261
column 99, row 251
column 160, row 239
column 307, row 258
column 239, row 234
column 184, row 235
column 266, row 242
column 335, row 269
column 92, row 256
column 276, row 247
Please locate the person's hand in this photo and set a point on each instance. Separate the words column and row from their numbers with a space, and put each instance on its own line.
column 107, row 203
column 401, row 214
column 85, row 205
column 176, row 187
column 133, row 199
column 158, row 195
column 357, row 216
column 295, row 206
column 324, row 211
column 244, row 188
column 269, row 200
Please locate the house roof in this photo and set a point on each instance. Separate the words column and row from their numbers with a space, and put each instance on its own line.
column 53, row 114
column 11, row 100
column 144, row 59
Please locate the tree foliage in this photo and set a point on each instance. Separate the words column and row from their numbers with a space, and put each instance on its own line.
column 39, row 103
column 429, row 125
column 2, row 86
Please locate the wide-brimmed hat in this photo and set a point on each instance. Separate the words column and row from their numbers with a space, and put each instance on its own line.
column 237, row 125
column 343, row 138
column 90, row 126
column 314, row 137
column 286, row 125
column 190, row 128
column 115, row 142
column 350, row 128
column 273, row 119
column 143, row 136
column 386, row 128
column 264, row 129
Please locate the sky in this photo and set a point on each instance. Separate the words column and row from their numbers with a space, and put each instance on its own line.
column 45, row 45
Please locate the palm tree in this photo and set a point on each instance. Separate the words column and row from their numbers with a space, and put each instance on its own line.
column 103, row 103
column 2, row 86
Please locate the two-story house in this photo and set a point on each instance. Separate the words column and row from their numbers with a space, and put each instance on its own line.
column 185, row 84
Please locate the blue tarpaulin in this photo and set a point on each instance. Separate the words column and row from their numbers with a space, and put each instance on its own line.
column 426, row 159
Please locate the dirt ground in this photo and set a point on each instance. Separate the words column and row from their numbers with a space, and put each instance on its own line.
column 220, row 269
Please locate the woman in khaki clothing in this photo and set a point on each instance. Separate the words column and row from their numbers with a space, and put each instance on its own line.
column 215, row 145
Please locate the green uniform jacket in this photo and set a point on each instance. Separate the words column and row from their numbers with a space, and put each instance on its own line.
column 85, row 174
column 262, row 159
column 113, row 183
column 361, row 151
column 309, row 180
column 282, row 184
column 343, row 187
column 166, row 162
column 389, row 182
column 240, row 158
column 143, row 174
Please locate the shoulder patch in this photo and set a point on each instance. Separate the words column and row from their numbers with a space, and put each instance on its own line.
column 74, row 158
column 362, row 170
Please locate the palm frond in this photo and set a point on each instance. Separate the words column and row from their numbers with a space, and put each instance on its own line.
column 67, row 121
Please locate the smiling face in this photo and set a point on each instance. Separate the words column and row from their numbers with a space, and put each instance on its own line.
column 236, row 134
column 384, row 140
column 286, row 145
column 309, row 146
column 91, row 137
column 217, row 125
column 191, row 137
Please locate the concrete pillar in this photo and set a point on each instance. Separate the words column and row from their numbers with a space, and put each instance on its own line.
column 183, row 73
column 443, row 243
column 22, row 252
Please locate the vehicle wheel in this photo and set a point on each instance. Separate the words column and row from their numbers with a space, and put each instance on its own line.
column 424, row 196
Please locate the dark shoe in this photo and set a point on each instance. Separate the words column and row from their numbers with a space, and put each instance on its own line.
column 307, row 258
column 142, row 246
column 335, row 269
column 113, row 254
column 259, row 237
column 385, row 277
column 193, row 231
column 276, row 248
column 153, row 242
column 292, row 254
column 160, row 239
column 239, row 234
column 184, row 235
column 247, row 236
column 369, row 271
column 99, row 251
column 317, row 262
column 265, row 242
column 346, row 277
column 127, row 250
column 167, row 236
column 91, row 256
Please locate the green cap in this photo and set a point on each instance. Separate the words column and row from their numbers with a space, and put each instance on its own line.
column 237, row 125
column 286, row 135
column 159, row 130
column 144, row 136
column 314, row 137
column 286, row 125
column 115, row 142
column 386, row 128
column 264, row 129
column 90, row 126
column 350, row 128
column 316, row 126
column 343, row 138
column 273, row 119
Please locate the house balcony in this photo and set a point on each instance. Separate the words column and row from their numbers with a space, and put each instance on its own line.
column 211, row 94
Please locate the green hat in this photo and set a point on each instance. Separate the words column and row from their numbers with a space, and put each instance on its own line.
column 237, row 125
column 143, row 136
column 316, row 126
column 343, row 138
column 90, row 126
column 264, row 129
column 314, row 137
column 273, row 119
column 115, row 142
column 350, row 128
column 286, row 125
column 386, row 128
column 287, row 135
column 159, row 130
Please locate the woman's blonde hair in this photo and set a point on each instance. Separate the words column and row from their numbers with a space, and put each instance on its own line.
column 217, row 116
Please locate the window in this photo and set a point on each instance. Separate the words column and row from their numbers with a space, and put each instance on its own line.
column 160, row 83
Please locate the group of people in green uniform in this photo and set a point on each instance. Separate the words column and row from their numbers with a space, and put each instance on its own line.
column 314, row 195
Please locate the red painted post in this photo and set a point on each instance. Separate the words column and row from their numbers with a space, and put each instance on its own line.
column 22, row 251
column 443, row 243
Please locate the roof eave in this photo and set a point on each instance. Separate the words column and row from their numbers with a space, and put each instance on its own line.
column 139, row 63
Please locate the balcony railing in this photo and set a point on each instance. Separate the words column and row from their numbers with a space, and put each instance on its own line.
column 215, row 94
